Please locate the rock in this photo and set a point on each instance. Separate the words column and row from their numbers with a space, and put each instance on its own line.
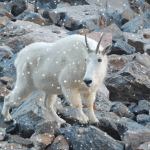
column 145, row 146
column 3, row 22
column 61, row 5
column 126, row 84
column 1, row 98
column 6, row 56
column 76, row 17
column 30, row 7
column 142, row 108
column 136, row 40
column 107, row 123
column 147, row 36
column 5, row 80
column 83, row 31
column 121, row 110
column 5, row 6
column 5, row 145
column 121, row 47
column 145, row 7
column 26, row 130
column 23, row 33
column 42, row 140
column 59, row 143
column 148, row 126
column 132, row 106
column 117, row 62
column 102, row 22
column 91, row 137
column 47, row 127
column 28, row 115
column 147, row 49
column 143, row 119
column 134, row 139
column 102, row 102
column 6, row 13
column 127, row 15
column 107, row 38
column 4, row 91
column 34, row 17
column 55, row 31
column 125, row 124
column 135, row 6
column 6, row 49
column 114, row 30
column 3, row 134
column 112, row 5
column 19, row 140
column 131, row 26
column 12, row 129
column 69, row 114
column 18, row 7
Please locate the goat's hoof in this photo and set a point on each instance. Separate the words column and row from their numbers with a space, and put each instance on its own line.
column 82, row 124
column 96, row 124
column 64, row 125
column 11, row 121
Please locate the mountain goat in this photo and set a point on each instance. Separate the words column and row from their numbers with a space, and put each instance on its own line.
column 72, row 65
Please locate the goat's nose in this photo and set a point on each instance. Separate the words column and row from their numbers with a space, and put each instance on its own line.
column 87, row 82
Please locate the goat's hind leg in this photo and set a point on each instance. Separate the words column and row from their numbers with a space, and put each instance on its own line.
column 16, row 96
column 49, row 103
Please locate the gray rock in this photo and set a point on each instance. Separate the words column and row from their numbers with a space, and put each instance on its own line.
column 47, row 127
column 118, row 6
column 59, row 143
column 1, row 98
column 133, row 27
column 148, row 126
column 137, row 40
column 102, row 101
column 121, row 47
column 114, row 29
column 76, row 17
column 5, row 145
column 25, row 130
column 132, row 82
column 91, row 137
column 3, row 134
column 143, row 119
column 127, row 15
column 133, row 139
column 121, row 110
column 147, row 49
column 19, row 140
column 107, row 123
column 132, row 106
column 142, row 108
column 18, row 7
column 125, row 124
column 145, row 146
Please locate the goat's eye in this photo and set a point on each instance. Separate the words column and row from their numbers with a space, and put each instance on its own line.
column 99, row 60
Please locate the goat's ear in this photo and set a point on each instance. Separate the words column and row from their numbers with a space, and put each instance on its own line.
column 106, row 49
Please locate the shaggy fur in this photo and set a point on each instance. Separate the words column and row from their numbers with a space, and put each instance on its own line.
column 59, row 68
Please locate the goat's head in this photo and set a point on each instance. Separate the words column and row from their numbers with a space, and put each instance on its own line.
column 96, row 64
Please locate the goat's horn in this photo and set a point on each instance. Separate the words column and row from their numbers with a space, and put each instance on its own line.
column 87, row 45
column 98, row 45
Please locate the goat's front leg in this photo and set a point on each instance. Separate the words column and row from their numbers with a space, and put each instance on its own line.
column 73, row 96
column 89, row 98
